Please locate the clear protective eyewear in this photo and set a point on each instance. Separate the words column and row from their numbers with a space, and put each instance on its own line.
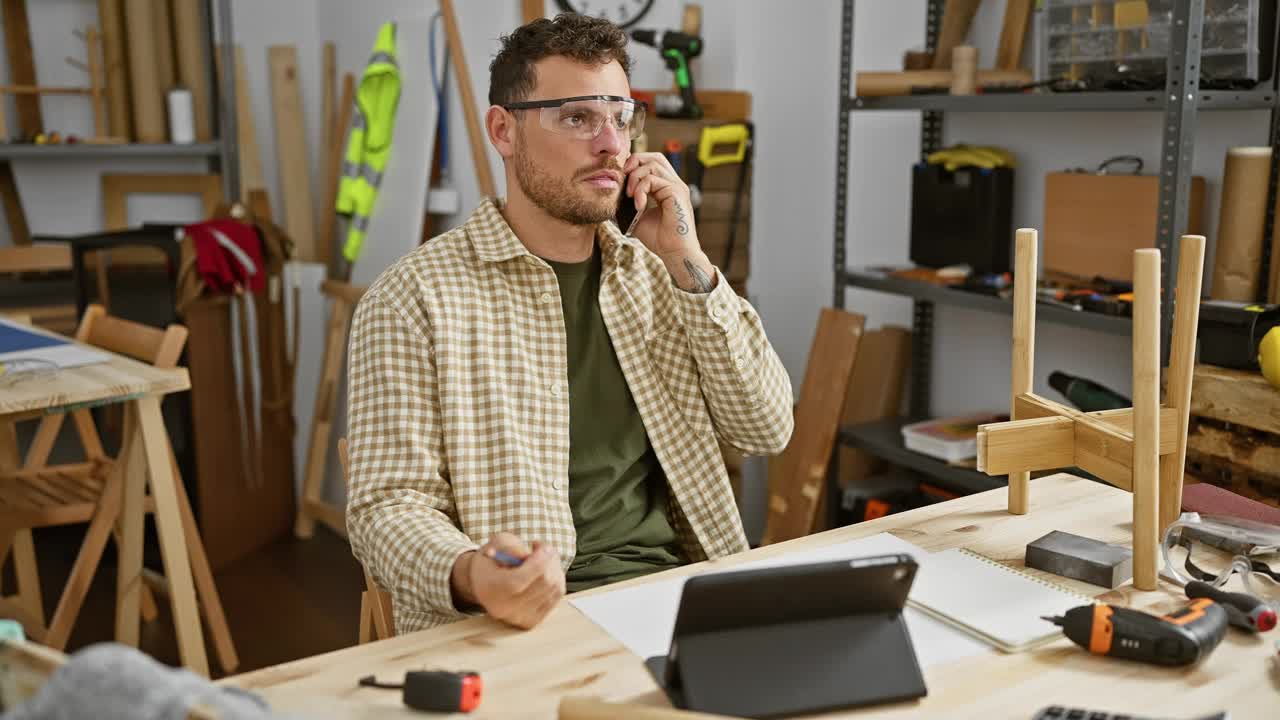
column 584, row 116
column 1224, row 546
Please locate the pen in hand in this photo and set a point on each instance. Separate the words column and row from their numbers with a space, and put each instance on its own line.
column 506, row 559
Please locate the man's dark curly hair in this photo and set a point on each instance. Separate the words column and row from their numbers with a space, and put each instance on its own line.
column 578, row 37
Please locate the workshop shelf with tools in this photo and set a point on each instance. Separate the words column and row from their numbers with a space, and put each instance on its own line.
column 1179, row 110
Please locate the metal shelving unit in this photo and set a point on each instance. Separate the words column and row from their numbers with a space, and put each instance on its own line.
column 1062, row 102
column 1180, row 104
column 876, row 279
column 883, row 438
column 221, row 153
column 86, row 150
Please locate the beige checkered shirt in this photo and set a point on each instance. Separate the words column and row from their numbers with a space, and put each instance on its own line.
column 459, row 409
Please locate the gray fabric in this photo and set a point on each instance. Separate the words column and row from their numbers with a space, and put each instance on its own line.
column 109, row 681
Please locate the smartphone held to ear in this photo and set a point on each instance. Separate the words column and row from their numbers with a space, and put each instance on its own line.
column 626, row 215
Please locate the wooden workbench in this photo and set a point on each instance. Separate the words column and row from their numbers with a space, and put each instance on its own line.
column 122, row 380
column 526, row 673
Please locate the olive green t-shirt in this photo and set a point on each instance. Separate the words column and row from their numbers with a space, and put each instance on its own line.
column 617, row 491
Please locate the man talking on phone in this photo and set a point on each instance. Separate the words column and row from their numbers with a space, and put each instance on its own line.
column 536, row 399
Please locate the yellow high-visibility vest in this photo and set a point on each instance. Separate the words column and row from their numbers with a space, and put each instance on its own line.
column 369, row 145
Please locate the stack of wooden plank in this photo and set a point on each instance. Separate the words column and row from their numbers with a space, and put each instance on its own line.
column 1233, row 439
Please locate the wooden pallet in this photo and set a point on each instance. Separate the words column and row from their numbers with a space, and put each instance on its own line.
column 1233, row 439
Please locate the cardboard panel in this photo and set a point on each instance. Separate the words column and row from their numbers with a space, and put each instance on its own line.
column 1093, row 223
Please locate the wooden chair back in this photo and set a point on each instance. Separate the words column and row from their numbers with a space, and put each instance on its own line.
column 376, row 620
column 144, row 343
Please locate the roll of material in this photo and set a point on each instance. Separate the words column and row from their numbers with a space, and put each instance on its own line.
column 964, row 69
column 182, row 128
column 1238, row 261
column 144, row 80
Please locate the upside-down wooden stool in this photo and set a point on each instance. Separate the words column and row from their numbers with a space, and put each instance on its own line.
column 1141, row 449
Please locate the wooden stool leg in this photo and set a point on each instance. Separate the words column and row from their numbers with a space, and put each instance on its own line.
column 27, row 573
column 1182, row 363
column 82, row 573
column 150, row 610
column 202, row 574
column 1146, row 417
column 322, row 418
column 366, row 618
column 1024, row 347
column 25, row 569
column 173, row 546
column 131, row 464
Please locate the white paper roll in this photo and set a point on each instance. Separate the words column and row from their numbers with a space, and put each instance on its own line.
column 182, row 129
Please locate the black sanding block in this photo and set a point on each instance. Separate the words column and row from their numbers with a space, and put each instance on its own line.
column 1081, row 558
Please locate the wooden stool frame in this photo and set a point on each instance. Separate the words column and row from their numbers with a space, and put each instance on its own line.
column 1141, row 449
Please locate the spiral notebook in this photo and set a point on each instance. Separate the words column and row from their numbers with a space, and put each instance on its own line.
column 993, row 602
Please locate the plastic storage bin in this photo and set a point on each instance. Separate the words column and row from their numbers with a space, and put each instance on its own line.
column 962, row 217
column 1109, row 40
column 949, row 439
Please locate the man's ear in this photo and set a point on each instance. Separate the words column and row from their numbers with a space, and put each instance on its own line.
column 501, row 126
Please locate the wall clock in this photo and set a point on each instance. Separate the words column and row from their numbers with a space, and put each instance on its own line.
column 624, row 13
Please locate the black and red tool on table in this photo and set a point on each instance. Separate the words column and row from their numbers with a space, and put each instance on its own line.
column 435, row 690
column 1245, row 612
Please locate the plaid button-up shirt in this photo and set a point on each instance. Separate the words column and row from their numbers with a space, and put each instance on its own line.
column 459, row 411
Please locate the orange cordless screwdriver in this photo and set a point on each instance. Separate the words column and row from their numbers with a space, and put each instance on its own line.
column 1185, row 637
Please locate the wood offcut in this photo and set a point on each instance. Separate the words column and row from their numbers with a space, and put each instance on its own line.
column 795, row 496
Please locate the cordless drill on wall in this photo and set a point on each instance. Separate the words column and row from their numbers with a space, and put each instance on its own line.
column 677, row 50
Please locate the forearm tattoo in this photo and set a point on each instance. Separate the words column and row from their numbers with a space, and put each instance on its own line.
column 682, row 221
column 700, row 280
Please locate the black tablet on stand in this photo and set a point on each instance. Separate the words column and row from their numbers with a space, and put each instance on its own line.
column 792, row 640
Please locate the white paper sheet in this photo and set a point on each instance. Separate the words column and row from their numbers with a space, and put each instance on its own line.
column 642, row 617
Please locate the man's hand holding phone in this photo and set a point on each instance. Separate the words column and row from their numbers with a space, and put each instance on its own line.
column 665, row 221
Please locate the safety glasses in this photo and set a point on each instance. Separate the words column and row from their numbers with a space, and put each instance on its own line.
column 583, row 117
column 1224, row 547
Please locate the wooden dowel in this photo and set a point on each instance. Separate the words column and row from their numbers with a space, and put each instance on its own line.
column 1024, row 347
column 1182, row 357
column 1146, row 416
column 93, row 45
column 479, row 154
column 111, row 20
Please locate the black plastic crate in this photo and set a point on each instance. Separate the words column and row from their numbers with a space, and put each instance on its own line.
column 962, row 217
column 1229, row 332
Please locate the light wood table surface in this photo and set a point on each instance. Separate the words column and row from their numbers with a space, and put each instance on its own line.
column 526, row 673
column 141, row 386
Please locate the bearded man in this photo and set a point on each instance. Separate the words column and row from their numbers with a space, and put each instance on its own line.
column 537, row 399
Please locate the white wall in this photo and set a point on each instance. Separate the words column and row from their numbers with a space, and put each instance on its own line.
column 792, row 76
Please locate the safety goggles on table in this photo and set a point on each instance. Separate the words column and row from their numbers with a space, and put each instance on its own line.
column 584, row 116
column 1214, row 548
